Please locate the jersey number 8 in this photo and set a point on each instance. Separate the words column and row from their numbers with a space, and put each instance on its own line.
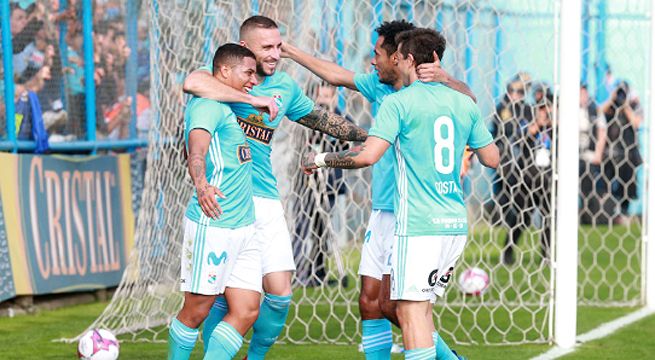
column 444, row 144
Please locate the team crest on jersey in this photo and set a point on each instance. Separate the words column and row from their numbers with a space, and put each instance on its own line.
column 243, row 153
column 255, row 128
column 278, row 100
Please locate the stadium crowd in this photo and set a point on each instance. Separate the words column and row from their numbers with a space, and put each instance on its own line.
column 609, row 157
column 54, row 73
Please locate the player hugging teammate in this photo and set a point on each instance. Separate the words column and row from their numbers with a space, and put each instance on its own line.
column 422, row 111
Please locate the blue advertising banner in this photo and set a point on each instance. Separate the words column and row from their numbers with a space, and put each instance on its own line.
column 68, row 221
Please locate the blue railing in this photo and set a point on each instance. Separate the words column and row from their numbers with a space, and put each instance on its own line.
column 8, row 65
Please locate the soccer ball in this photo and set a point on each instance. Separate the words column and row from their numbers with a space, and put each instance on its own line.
column 473, row 281
column 98, row 344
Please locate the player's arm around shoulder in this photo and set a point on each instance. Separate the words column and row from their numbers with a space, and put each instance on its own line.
column 332, row 124
column 326, row 70
column 358, row 157
column 433, row 72
column 202, row 83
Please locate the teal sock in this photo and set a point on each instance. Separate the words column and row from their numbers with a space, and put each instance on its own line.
column 181, row 340
column 269, row 325
column 224, row 343
column 421, row 354
column 377, row 339
column 443, row 351
column 216, row 315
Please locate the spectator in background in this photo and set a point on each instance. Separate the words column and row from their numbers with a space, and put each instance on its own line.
column 24, row 24
column 622, row 157
column 143, row 54
column 533, row 140
column 31, row 64
column 312, row 239
column 593, row 138
column 74, row 81
column 539, row 90
column 144, row 112
column 511, row 111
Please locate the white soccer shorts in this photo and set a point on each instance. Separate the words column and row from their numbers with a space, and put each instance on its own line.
column 213, row 258
column 378, row 241
column 422, row 266
column 272, row 235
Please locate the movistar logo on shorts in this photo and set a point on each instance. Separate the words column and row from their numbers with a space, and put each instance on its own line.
column 216, row 260
column 367, row 237
column 254, row 128
column 243, row 153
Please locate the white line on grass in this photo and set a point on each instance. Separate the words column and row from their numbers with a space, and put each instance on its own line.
column 597, row 333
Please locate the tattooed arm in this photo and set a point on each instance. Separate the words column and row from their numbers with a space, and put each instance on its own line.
column 355, row 158
column 198, row 145
column 333, row 125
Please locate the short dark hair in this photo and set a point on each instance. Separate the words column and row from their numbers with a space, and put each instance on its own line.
column 421, row 43
column 547, row 99
column 389, row 30
column 230, row 54
column 256, row 21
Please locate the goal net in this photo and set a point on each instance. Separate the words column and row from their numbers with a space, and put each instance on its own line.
column 504, row 50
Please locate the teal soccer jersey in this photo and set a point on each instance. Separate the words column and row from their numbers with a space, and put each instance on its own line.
column 384, row 183
column 429, row 125
column 292, row 103
column 228, row 164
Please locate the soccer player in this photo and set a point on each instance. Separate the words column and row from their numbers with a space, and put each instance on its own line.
column 374, row 304
column 261, row 35
column 219, row 239
column 428, row 125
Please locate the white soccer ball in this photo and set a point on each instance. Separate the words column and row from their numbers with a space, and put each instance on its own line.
column 474, row 281
column 98, row 344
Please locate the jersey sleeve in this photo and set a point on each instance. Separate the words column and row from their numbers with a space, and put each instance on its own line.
column 367, row 84
column 207, row 115
column 480, row 135
column 387, row 122
column 300, row 105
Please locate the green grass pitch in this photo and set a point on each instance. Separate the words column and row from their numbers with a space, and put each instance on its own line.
column 30, row 336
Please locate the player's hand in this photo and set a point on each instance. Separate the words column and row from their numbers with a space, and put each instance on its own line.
column 307, row 164
column 432, row 72
column 284, row 50
column 265, row 104
column 207, row 200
